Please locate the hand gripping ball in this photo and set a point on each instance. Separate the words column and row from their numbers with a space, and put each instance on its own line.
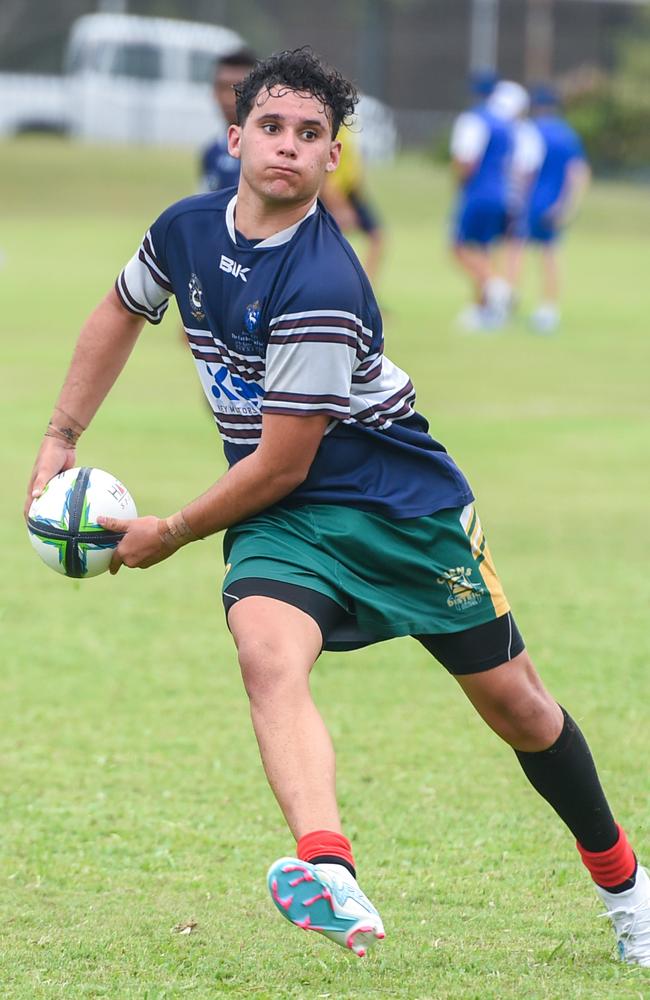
column 63, row 525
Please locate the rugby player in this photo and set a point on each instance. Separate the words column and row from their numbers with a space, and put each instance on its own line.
column 346, row 522
column 481, row 147
column 550, row 166
column 217, row 167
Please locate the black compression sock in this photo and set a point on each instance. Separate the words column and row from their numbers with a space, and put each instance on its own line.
column 332, row 859
column 565, row 775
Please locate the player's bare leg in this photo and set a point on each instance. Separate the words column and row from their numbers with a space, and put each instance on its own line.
column 515, row 704
column 546, row 317
column 492, row 294
column 556, row 760
column 550, row 275
column 514, row 261
column 278, row 645
column 476, row 265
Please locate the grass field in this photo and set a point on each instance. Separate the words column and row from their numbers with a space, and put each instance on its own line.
column 132, row 798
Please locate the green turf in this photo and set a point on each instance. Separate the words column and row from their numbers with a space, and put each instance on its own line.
column 132, row 798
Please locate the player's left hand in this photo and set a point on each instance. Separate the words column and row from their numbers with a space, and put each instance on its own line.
column 143, row 544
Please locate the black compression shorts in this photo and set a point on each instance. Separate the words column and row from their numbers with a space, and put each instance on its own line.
column 468, row 652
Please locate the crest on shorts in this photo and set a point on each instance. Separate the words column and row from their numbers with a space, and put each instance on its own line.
column 463, row 592
column 252, row 316
column 196, row 298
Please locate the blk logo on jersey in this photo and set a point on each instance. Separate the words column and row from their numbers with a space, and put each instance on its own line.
column 232, row 267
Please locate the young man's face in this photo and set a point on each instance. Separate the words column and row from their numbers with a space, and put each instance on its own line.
column 285, row 146
column 225, row 80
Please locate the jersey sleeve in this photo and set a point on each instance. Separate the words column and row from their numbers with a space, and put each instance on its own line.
column 469, row 137
column 576, row 148
column 529, row 149
column 143, row 285
column 312, row 352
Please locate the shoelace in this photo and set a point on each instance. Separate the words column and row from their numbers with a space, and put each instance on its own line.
column 635, row 929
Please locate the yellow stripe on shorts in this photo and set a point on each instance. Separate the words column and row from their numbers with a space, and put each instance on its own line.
column 472, row 528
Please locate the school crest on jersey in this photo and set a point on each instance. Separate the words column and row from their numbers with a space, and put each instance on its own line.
column 252, row 316
column 196, row 298
column 249, row 340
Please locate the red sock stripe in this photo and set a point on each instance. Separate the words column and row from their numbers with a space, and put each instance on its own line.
column 323, row 842
column 612, row 867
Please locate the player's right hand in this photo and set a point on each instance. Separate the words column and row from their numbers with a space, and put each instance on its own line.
column 54, row 456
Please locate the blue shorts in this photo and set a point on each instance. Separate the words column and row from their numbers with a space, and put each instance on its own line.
column 534, row 226
column 541, row 229
column 480, row 221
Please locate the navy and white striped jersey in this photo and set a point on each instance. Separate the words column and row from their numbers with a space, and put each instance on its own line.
column 290, row 325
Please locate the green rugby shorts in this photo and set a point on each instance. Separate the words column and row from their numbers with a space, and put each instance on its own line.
column 417, row 576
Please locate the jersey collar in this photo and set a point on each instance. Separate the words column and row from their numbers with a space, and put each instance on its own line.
column 277, row 239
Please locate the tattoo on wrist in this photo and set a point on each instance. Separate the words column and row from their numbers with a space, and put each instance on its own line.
column 177, row 531
column 67, row 434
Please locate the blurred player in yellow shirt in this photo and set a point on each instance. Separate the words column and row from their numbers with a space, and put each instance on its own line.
column 345, row 196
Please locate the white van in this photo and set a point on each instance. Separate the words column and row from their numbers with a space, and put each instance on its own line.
column 144, row 79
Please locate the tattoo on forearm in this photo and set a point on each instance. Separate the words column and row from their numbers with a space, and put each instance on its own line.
column 78, row 427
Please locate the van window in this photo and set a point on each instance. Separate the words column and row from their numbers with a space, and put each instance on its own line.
column 93, row 56
column 140, row 61
column 202, row 66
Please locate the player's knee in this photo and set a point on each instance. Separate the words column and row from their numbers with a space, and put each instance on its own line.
column 529, row 719
column 523, row 713
column 267, row 668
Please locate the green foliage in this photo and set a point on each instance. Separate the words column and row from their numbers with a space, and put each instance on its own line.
column 132, row 799
column 613, row 120
column 612, row 114
column 634, row 53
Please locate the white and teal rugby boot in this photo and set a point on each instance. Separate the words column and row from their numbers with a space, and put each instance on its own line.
column 325, row 898
column 629, row 913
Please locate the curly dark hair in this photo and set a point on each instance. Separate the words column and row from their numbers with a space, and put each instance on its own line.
column 300, row 70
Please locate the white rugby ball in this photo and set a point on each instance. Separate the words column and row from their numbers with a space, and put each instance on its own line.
column 62, row 522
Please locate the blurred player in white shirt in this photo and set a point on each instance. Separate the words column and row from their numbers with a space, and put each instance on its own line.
column 482, row 144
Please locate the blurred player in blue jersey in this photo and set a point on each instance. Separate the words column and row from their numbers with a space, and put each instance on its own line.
column 218, row 168
column 482, row 143
column 346, row 522
column 552, row 170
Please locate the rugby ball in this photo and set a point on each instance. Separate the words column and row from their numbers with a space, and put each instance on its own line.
column 62, row 522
